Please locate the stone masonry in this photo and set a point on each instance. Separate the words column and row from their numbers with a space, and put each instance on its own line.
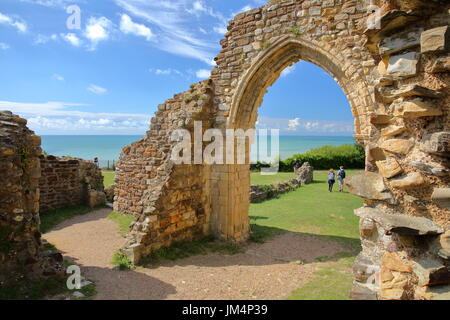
column 68, row 182
column 391, row 59
column 20, row 240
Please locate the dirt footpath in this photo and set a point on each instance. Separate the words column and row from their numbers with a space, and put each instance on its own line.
column 268, row 271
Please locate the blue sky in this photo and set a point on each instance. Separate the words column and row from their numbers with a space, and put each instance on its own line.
column 128, row 56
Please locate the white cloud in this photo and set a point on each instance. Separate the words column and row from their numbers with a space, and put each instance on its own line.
column 43, row 39
column 220, row 29
column 58, row 77
column 4, row 46
column 71, row 38
column 203, row 74
column 98, row 29
column 97, row 89
column 174, row 28
column 293, row 124
column 128, row 26
column 17, row 23
column 300, row 126
column 165, row 72
column 61, row 118
column 287, row 71
column 53, row 3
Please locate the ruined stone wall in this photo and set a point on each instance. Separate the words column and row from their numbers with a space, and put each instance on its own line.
column 67, row 182
column 170, row 202
column 392, row 63
column 20, row 239
column 407, row 190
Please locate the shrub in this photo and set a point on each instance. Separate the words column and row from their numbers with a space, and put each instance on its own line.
column 323, row 158
column 326, row 157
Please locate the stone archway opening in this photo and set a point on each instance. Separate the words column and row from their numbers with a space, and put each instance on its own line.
column 244, row 112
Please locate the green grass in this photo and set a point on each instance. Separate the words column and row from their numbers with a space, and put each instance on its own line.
column 258, row 178
column 330, row 283
column 180, row 250
column 122, row 220
column 121, row 261
column 312, row 210
column 40, row 289
column 108, row 178
column 51, row 219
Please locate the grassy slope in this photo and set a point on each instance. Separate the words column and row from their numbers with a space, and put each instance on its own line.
column 108, row 178
column 312, row 209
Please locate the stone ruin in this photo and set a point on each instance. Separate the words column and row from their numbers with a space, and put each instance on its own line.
column 305, row 173
column 391, row 59
column 21, row 253
column 32, row 183
column 68, row 182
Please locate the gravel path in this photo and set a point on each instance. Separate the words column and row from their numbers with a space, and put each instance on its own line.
column 268, row 271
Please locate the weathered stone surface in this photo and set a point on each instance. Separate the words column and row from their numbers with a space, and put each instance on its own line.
column 403, row 65
column 109, row 192
column 431, row 272
column 96, row 198
column 400, row 146
column 363, row 268
column 262, row 193
column 441, row 64
column 430, row 168
column 389, row 168
column 305, row 174
column 67, row 182
column 21, row 252
column 399, row 223
column 400, row 42
column 438, row 143
column 360, row 291
column 392, row 130
column 439, row 292
column 441, row 196
column 436, row 39
column 380, row 118
column 392, row 262
column 415, row 108
column 368, row 185
column 444, row 240
column 411, row 181
column 390, row 94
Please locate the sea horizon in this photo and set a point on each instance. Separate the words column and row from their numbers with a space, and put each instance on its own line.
column 108, row 147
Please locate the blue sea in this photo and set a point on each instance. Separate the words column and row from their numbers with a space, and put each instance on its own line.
column 108, row 148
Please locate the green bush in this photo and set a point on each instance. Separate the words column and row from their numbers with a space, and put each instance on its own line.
column 326, row 157
column 323, row 158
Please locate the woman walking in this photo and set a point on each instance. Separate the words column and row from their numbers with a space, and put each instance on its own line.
column 331, row 180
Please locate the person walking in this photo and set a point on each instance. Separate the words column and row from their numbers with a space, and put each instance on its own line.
column 341, row 177
column 96, row 161
column 331, row 180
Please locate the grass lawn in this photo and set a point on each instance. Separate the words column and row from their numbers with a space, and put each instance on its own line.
column 108, row 178
column 311, row 209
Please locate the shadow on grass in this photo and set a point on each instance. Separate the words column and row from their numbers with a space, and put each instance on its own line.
column 60, row 218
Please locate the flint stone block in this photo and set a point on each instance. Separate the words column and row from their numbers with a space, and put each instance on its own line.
column 436, row 39
column 368, row 185
column 438, row 143
column 400, row 42
column 441, row 196
column 403, row 65
column 400, row 223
